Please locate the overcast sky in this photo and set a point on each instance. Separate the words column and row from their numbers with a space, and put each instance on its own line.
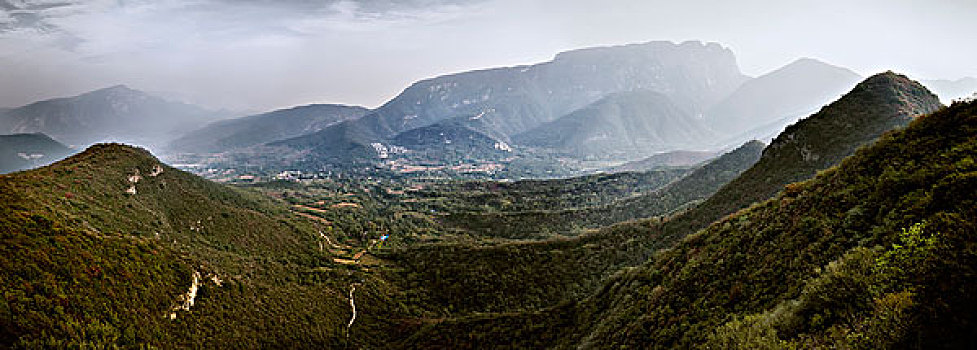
column 263, row 54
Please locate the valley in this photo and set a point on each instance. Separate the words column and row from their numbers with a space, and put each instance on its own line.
column 648, row 195
column 366, row 263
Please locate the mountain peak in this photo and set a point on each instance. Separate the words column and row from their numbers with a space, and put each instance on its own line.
column 915, row 97
column 883, row 102
column 120, row 89
column 813, row 65
column 112, row 154
column 808, row 61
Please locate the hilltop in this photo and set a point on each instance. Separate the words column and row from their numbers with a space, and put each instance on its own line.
column 112, row 247
column 876, row 252
column 881, row 103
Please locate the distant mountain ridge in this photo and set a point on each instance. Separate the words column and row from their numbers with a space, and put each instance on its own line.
column 512, row 100
column 622, row 125
column 666, row 159
column 950, row 90
column 25, row 151
column 692, row 74
column 266, row 127
column 117, row 113
column 787, row 93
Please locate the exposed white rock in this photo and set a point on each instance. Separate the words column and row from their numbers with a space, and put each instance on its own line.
column 135, row 177
column 186, row 300
column 157, row 169
column 31, row 156
column 502, row 146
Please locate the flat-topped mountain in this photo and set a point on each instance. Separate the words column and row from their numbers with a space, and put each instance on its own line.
column 692, row 74
column 512, row 100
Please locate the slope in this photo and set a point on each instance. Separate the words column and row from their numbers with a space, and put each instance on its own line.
column 555, row 219
column 111, row 248
column 266, row 127
column 892, row 227
column 25, row 151
column 878, row 104
column 116, row 113
column 666, row 159
column 877, row 252
column 627, row 125
column 793, row 91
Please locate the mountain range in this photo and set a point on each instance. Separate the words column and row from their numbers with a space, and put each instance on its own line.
column 262, row 128
column 853, row 228
column 117, row 113
column 509, row 101
column 628, row 111
column 584, row 110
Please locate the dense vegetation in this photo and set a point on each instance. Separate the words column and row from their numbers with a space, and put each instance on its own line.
column 877, row 252
column 695, row 186
column 87, row 263
column 878, row 104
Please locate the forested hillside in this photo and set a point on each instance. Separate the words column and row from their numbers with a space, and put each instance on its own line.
column 110, row 247
column 877, row 252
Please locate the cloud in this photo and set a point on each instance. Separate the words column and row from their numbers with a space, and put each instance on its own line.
column 102, row 27
column 262, row 54
column 237, row 53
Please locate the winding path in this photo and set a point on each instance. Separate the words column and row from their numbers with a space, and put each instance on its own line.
column 352, row 305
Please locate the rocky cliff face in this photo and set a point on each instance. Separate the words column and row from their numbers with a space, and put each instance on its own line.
column 516, row 99
column 508, row 101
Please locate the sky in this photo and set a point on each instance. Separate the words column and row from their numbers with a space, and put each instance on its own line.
column 259, row 55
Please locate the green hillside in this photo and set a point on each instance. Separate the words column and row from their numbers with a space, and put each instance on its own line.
column 874, row 248
column 99, row 248
column 877, row 252
column 694, row 186
column 881, row 103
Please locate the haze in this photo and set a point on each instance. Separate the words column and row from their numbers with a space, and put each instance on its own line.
column 259, row 55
